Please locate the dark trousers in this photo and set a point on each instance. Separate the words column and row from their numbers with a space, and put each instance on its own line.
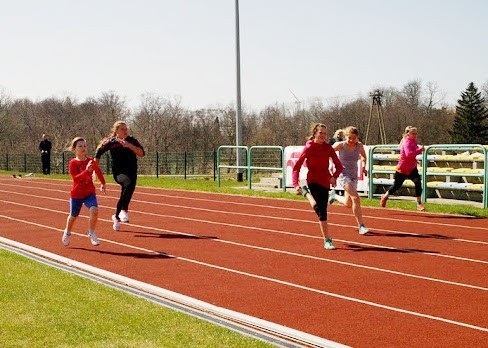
column 321, row 196
column 399, row 178
column 128, row 184
column 46, row 163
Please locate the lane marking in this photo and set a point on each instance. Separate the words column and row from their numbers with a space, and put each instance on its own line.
column 345, row 263
column 267, row 206
column 261, row 216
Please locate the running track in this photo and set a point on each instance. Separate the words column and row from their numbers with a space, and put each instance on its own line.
column 417, row 280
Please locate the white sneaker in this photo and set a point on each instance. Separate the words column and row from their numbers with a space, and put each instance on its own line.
column 116, row 225
column 363, row 229
column 331, row 197
column 328, row 244
column 66, row 237
column 124, row 216
column 93, row 238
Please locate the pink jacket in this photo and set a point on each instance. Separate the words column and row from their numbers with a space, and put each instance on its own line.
column 408, row 151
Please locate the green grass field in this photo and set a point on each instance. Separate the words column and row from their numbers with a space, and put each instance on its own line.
column 42, row 306
column 47, row 307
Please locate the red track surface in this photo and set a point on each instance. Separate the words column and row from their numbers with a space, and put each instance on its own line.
column 418, row 280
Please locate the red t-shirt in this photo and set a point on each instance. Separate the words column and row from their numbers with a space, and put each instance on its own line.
column 82, row 178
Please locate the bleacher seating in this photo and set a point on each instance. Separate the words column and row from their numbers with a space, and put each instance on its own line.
column 451, row 171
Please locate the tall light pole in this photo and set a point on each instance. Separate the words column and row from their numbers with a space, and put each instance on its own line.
column 238, row 102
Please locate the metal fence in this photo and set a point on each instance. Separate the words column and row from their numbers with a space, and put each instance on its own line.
column 197, row 163
column 184, row 164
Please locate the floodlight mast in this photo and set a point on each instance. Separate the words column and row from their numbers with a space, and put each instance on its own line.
column 238, row 98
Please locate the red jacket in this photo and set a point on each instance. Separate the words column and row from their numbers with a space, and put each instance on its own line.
column 82, row 178
column 317, row 156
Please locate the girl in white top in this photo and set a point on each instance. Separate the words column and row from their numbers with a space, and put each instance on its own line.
column 350, row 151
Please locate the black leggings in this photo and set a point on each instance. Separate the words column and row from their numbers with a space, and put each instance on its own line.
column 128, row 184
column 321, row 196
column 400, row 178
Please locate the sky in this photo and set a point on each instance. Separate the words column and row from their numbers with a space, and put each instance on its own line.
column 290, row 50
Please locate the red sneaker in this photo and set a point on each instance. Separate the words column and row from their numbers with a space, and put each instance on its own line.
column 420, row 207
column 383, row 201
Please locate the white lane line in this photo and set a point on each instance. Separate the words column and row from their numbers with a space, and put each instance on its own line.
column 300, row 235
column 262, row 216
column 281, row 282
column 345, row 263
column 270, row 207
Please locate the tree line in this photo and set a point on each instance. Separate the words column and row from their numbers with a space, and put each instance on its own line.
column 164, row 125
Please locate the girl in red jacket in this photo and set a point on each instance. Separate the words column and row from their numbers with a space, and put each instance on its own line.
column 318, row 152
column 81, row 169
column 407, row 167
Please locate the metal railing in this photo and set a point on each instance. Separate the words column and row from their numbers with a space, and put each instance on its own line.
column 456, row 147
column 251, row 167
column 426, row 157
column 250, row 162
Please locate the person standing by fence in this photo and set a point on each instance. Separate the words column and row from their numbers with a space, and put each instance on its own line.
column 45, row 149
column 124, row 150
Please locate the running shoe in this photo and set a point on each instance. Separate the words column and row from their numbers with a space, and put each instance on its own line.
column 305, row 190
column 93, row 237
column 363, row 229
column 328, row 244
column 420, row 207
column 383, row 200
column 124, row 216
column 66, row 237
column 331, row 197
column 116, row 222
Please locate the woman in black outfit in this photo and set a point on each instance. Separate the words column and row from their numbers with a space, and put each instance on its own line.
column 124, row 150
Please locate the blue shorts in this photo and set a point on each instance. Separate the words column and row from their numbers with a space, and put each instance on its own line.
column 75, row 204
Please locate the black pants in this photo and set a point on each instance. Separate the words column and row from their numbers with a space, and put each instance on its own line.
column 128, row 183
column 321, row 196
column 400, row 178
column 46, row 163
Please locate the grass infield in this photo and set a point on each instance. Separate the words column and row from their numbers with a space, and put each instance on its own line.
column 46, row 307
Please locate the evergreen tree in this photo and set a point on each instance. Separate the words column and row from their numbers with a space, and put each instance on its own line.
column 471, row 121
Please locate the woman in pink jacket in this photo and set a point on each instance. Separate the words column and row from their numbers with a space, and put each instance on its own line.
column 318, row 152
column 407, row 167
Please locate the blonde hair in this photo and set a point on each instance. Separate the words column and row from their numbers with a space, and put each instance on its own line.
column 113, row 131
column 116, row 126
column 351, row 130
column 338, row 132
column 314, row 129
column 409, row 129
